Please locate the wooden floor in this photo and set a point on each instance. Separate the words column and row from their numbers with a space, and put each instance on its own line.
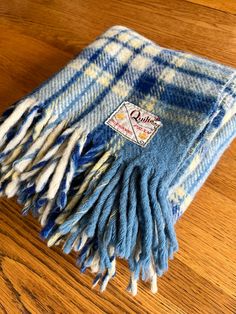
column 36, row 39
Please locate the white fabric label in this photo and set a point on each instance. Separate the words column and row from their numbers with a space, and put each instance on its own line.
column 134, row 123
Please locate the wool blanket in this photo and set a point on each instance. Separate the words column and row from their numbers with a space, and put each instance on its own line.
column 109, row 152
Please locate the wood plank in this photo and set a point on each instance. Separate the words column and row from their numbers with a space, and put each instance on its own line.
column 222, row 5
column 171, row 24
column 26, row 67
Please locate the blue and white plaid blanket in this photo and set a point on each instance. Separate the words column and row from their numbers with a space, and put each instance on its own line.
column 110, row 151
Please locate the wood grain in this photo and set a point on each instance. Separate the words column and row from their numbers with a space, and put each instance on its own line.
column 36, row 39
column 222, row 5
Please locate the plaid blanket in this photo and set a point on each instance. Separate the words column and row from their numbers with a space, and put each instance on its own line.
column 110, row 151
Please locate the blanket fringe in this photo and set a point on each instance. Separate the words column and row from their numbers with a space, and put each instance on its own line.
column 85, row 196
column 118, row 212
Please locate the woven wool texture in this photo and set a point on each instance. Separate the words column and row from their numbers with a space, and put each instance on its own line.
column 94, row 191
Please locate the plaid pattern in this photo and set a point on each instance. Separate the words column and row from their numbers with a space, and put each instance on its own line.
column 91, row 188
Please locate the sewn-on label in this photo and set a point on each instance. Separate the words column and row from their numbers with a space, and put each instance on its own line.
column 134, row 123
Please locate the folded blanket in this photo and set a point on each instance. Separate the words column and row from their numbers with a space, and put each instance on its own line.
column 110, row 151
